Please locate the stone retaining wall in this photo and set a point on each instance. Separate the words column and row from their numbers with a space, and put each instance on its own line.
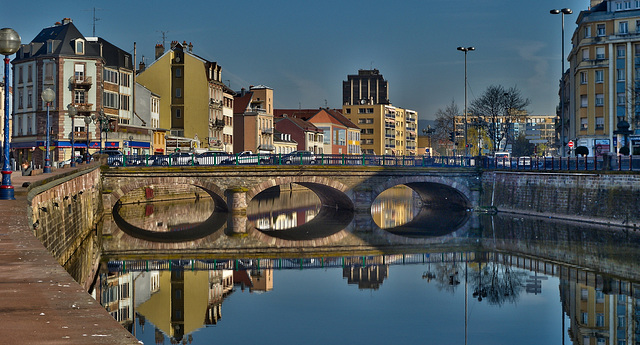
column 64, row 213
column 608, row 198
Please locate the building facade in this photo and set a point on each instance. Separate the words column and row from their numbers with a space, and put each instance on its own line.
column 605, row 77
column 253, row 120
column 87, row 73
column 192, row 98
column 366, row 87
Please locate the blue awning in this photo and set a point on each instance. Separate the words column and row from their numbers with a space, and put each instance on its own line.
column 138, row 144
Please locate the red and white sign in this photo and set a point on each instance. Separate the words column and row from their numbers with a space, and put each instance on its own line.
column 570, row 144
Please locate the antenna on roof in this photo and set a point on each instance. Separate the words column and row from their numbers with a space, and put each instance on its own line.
column 164, row 37
column 95, row 19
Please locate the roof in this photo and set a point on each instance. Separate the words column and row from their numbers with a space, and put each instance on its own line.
column 308, row 114
column 241, row 103
column 304, row 125
column 114, row 56
column 341, row 118
column 64, row 36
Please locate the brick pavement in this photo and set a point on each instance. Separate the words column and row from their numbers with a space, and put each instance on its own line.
column 40, row 303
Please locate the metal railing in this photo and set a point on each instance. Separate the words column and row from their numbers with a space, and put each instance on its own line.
column 601, row 163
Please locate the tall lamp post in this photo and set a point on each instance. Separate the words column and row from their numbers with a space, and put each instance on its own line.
column 465, row 50
column 562, row 12
column 87, row 122
column 47, row 96
column 102, row 119
column 9, row 44
column 72, row 113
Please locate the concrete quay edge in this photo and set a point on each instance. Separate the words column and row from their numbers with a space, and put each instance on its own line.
column 40, row 303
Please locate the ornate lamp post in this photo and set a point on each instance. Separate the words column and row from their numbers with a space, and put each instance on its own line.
column 9, row 44
column 87, row 122
column 102, row 119
column 72, row 113
column 562, row 12
column 47, row 96
column 465, row 50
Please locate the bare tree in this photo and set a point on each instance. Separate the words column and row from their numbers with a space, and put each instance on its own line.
column 445, row 124
column 499, row 108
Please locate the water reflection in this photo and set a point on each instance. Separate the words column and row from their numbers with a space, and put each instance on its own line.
column 169, row 301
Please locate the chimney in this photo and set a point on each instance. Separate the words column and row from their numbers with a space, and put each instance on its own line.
column 173, row 44
column 66, row 21
column 159, row 50
column 243, row 92
column 141, row 66
column 190, row 47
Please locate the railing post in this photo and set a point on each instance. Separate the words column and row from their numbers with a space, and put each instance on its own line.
column 363, row 160
column 343, row 159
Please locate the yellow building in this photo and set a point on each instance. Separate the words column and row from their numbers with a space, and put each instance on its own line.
column 384, row 129
column 191, row 95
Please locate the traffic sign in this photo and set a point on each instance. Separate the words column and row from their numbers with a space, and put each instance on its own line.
column 538, row 141
column 570, row 144
column 532, row 137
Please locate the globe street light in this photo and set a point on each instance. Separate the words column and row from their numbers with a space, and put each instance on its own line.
column 72, row 113
column 466, row 143
column 87, row 122
column 9, row 44
column 47, row 96
column 562, row 12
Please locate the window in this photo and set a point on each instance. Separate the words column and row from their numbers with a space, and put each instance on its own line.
column 79, row 47
column 20, row 98
column 110, row 99
column 599, row 76
column 599, row 122
column 601, row 30
column 365, row 111
column 78, row 97
column 584, row 102
column 587, row 31
column 366, row 131
column 585, row 54
column 79, row 72
column 599, row 320
column 20, row 75
column 178, row 92
column 623, row 28
column 621, row 51
column 124, row 79
column 367, row 120
column 620, row 74
column 49, row 47
column 48, row 71
column 124, row 102
column 178, row 72
column 627, row 4
column 583, row 77
column 599, row 99
column 178, row 113
column 620, row 97
column 599, row 53
column 29, row 97
column 29, row 73
column 619, row 6
column 348, row 110
column 110, row 76
column 583, row 125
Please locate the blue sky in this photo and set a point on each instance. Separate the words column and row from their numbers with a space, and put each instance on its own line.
column 304, row 50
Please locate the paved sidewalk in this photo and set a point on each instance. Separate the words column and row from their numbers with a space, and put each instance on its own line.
column 39, row 301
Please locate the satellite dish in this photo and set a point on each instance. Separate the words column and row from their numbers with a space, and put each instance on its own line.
column 363, row 101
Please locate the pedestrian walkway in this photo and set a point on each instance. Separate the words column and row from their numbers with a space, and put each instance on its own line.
column 39, row 301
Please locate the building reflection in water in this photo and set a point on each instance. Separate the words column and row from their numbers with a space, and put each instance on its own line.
column 179, row 297
column 283, row 208
column 395, row 207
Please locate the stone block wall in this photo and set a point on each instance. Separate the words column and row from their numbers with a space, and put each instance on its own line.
column 608, row 198
column 64, row 213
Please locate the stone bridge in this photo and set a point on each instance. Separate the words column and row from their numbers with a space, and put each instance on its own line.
column 344, row 192
column 350, row 188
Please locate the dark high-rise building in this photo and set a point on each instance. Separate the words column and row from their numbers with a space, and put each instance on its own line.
column 367, row 87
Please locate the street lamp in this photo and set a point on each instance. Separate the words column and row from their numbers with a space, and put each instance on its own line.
column 87, row 122
column 47, row 96
column 72, row 113
column 9, row 44
column 465, row 50
column 102, row 118
column 562, row 12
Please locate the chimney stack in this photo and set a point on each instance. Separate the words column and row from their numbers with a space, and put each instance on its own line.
column 159, row 50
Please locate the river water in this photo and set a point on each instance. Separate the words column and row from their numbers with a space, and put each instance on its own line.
column 428, row 276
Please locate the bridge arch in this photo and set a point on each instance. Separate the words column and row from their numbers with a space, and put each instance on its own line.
column 330, row 192
column 435, row 191
column 208, row 186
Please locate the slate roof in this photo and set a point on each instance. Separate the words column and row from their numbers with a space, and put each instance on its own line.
column 305, row 125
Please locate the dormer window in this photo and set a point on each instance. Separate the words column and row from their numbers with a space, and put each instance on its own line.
column 80, row 47
column 49, row 47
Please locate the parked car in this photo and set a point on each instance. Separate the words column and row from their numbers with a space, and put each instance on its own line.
column 213, row 157
column 183, row 158
column 79, row 159
column 247, row 157
column 299, row 157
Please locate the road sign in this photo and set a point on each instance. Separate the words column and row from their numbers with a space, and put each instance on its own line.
column 570, row 144
column 532, row 137
column 538, row 141
column 532, row 132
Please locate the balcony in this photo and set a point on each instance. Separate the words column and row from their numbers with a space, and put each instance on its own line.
column 215, row 104
column 217, row 123
column 267, row 130
column 81, row 81
column 83, row 107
